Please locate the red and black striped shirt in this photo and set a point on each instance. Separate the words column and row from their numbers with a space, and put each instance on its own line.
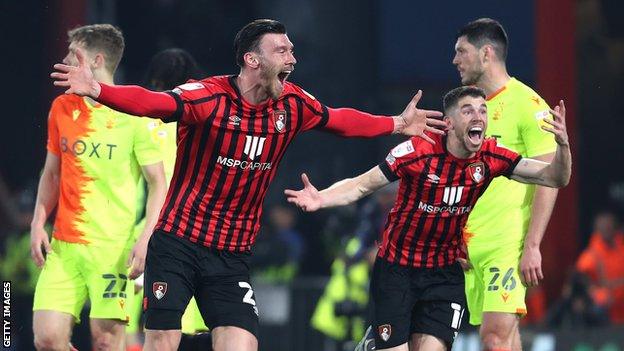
column 228, row 153
column 436, row 194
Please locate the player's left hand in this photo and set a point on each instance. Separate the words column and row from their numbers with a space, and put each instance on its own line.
column 136, row 260
column 418, row 121
column 531, row 266
column 558, row 124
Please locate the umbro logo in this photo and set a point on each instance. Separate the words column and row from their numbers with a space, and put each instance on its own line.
column 234, row 120
column 433, row 178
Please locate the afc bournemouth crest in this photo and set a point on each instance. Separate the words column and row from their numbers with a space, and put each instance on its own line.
column 385, row 331
column 159, row 289
column 476, row 171
column 279, row 120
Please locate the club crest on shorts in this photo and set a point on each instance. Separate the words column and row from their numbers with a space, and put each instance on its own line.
column 159, row 289
column 476, row 171
column 279, row 120
column 385, row 331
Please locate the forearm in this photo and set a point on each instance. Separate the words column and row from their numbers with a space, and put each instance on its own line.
column 350, row 122
column 543, row 204
column 157, row 190
column 558, row 172
column 47, row 198
column 137, row 101
column 344, row 192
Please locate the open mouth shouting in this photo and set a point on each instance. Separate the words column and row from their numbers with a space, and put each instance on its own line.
column 476, row 135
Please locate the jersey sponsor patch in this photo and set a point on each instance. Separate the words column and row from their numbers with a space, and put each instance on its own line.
column 308, row 94
column 542, row 114
column 403, row 149
column 191, row 86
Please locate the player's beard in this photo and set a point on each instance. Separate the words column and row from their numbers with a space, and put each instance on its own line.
column 473, row 76
column 269, row 78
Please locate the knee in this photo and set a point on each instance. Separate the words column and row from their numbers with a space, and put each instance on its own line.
column 492, row 341
column 51, row 341
column 104, row 341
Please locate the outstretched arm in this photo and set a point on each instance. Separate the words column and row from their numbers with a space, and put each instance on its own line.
column 133, row 100
column 412, row 121
column 341, row 193
column 555, row 174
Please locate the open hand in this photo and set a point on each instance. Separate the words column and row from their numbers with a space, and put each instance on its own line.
column 308, row 198
column 79, row 79
column 418, row 121
column 558, row 124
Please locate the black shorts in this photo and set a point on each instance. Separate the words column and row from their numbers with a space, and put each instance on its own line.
column 176, row 269
column 410, row 300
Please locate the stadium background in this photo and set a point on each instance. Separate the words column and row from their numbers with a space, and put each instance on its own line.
column 367, row 54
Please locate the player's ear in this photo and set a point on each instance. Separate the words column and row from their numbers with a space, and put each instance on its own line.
column 98, row 61
column 487, row 53
column 448, row 120
column 251, row 59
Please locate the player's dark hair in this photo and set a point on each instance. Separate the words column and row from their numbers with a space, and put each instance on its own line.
column 170, row 68
column 248, row 38
column 486, row 31
column 104, row 38
column 452, row 97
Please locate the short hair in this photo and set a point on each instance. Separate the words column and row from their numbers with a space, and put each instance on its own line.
column 248, row 38
column 170, row 68
column 486, row 31
column 101, row 37
column 452, row 97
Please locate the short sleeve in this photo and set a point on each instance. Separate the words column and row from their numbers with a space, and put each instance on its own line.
column 195, row 102
column 53, row 130
column 536, row 140
column 395, row 165
column 315, row 114
column 502, row 161
column 146, row 149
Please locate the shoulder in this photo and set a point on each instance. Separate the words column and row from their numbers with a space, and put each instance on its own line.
column 66, row 104
column 292, row 89
column 68, row 100
column 525, row 94
column 415, row 147
column 207, row 86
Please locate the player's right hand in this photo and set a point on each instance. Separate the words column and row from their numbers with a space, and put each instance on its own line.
column 307, row 199
column 39, row 241
column 79, row 78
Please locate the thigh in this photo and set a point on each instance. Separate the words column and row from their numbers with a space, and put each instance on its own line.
column 503, row 291
column 440, row 309
column 52, row 327
column 393, row 300
column 170, row 272
column 61, row 287
column 106, row 274
column 225, row 296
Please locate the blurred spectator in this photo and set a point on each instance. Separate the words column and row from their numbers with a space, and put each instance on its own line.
column 279, row 250
column 341, row 313
column 576, row 309
column 603, row 264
